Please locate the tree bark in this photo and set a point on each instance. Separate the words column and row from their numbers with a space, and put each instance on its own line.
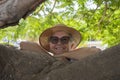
column 19, row 65
column 11, row 11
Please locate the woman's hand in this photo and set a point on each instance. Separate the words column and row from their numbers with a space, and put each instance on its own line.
column 80, row 53
column 30, row 46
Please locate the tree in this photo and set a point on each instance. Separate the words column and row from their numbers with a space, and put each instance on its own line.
column 20, row 65
column 100, row 22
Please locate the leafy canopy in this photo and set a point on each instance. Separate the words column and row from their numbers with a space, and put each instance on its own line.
column 95, row 19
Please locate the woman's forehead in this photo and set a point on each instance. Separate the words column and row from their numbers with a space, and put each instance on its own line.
column 61, row 32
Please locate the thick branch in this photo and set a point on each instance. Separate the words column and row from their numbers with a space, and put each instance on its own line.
column 11, row 11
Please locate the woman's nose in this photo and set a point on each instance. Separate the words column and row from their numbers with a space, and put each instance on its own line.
column 59, row 42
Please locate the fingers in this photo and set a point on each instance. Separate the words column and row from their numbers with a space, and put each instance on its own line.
column 80, row 53
column 30, row 46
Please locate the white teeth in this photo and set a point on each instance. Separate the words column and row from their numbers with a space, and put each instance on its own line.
column 59, row 48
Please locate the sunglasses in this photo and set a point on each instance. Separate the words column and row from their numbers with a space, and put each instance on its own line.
column 63, row 40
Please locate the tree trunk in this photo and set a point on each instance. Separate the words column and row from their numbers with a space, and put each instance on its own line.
column 18, row 65
column 11, row 11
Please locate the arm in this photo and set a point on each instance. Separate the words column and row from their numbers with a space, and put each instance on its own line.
column 80, row 53
column 30, row 46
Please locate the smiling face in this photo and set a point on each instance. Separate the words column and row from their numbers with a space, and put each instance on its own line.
column 60, row 42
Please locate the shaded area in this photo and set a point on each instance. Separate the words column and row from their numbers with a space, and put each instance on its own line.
column 19, row 65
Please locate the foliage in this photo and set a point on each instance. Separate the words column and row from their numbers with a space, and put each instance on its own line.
column 95, row 19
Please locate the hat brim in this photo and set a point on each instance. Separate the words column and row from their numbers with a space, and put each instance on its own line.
column 43, row 39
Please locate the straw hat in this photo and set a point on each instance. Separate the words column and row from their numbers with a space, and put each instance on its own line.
column 43, row 39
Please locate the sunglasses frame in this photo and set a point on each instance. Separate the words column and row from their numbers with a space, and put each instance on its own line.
column 62, row 40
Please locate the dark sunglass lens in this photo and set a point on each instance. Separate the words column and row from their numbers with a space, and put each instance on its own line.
column 65, row 40
column 54, row 40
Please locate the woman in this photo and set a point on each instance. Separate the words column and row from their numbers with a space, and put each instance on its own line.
column 61, row 41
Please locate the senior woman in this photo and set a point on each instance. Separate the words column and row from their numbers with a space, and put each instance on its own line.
column 61, row 41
